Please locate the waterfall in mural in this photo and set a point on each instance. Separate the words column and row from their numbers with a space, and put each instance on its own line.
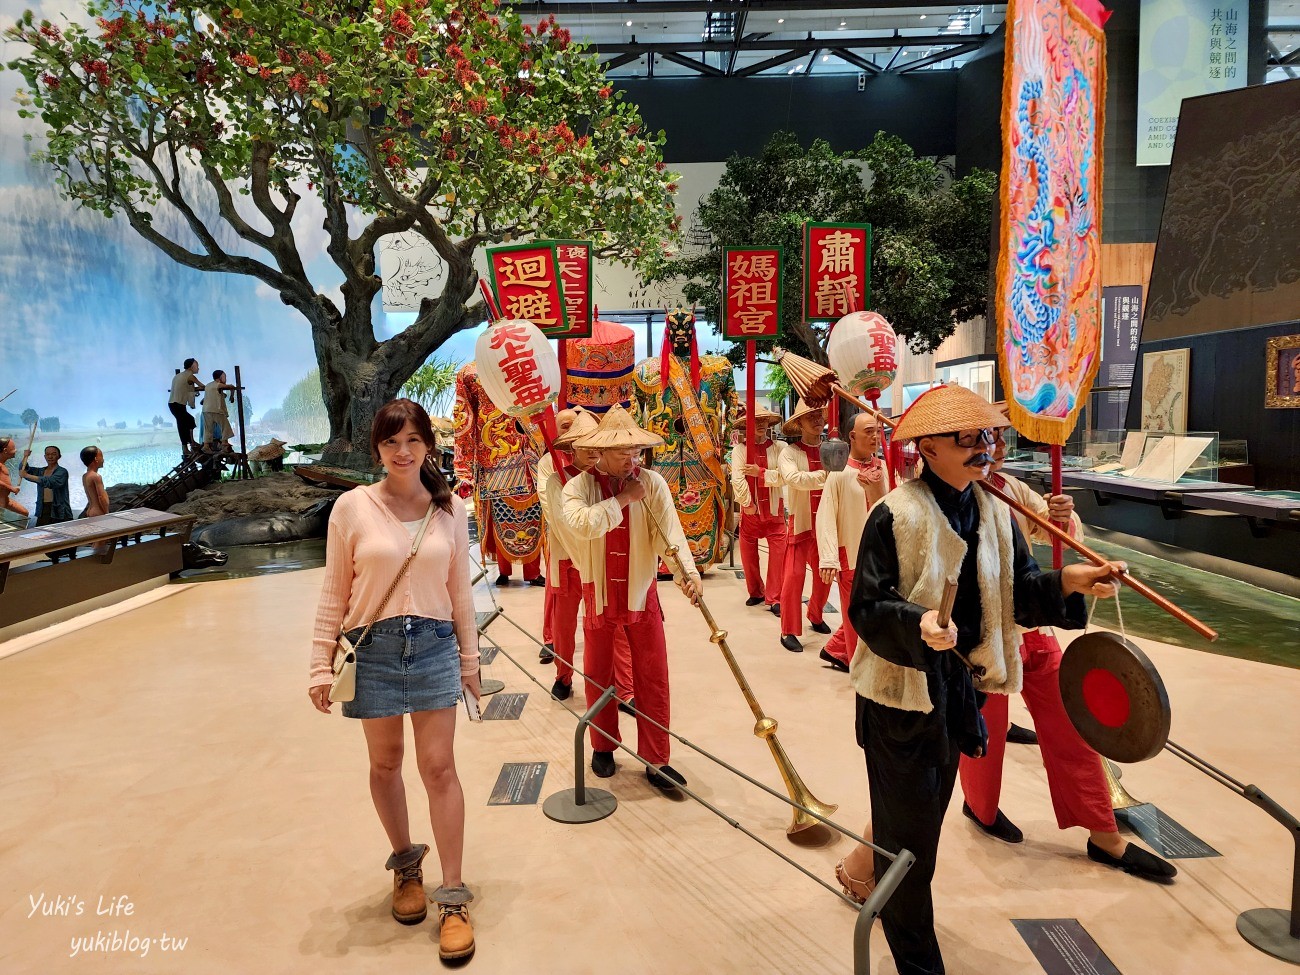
column 94, row 321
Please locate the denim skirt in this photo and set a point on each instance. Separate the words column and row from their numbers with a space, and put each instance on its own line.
column 406, row 664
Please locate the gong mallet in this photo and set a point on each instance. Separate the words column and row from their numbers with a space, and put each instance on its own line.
column 1117, row 702
column 764, row 727
column 1067, row 539
column 946, row 603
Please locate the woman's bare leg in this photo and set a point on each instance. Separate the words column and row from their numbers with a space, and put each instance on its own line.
column 384, row 743
column 435, row 735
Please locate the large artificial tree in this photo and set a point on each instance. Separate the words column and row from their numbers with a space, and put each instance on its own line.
column 449, row 119
column 930, row 233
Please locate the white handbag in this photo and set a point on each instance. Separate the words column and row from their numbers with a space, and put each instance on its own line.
column 344, row 686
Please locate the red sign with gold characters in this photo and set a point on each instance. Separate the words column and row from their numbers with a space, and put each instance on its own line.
column 751, row 291
column 836, row 270
column 526, row 281
column 575, row 281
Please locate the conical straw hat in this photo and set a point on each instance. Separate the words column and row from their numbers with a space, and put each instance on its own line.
column 618, row 429
column 764, row 415
column 583, row 424
column 802, row 409
column 947, row 409
column 811, row 381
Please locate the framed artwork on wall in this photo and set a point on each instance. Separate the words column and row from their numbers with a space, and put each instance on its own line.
column 1164, row 390
column 1282, row 373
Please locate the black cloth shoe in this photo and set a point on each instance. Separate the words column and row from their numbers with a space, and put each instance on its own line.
column 664, row 576
column 503, row 580
column 628, row 706
column 1017, row 735
column 1136, row 861
column 792, row 643
column 753, row 600
column 835, row 662
column 1002, row 829
column 539, row 581
column 547, row 654
column 822, row 627
column 602, row 763
column 561, row 691
column 667, row 779
column 776, row 609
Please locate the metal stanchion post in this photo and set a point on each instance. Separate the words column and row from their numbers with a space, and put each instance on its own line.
column 490, row 685
column 580, row 804
column 885, row 888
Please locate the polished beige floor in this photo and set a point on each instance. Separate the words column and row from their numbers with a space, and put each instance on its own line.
column 169, row 755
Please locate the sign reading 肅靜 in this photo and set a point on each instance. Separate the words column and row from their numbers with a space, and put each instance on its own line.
column 836, row 270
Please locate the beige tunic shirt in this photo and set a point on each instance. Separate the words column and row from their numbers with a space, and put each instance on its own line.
column 590, row 516
column 799, row 481
column 560, row 540
column 842, row 515
column 771, row 476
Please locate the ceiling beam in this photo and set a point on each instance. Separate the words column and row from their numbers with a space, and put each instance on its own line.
column 644, row 8
column 857, row 60
column 737, row 35
column 694, row 65
column 936, row 57
column 758, row 66
column 803, row 44
column 618, row 61
column 811, row 62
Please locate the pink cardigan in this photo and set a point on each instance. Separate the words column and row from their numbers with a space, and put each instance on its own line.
column 365, row 547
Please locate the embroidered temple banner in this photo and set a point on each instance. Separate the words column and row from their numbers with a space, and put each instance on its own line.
column 1048, row 298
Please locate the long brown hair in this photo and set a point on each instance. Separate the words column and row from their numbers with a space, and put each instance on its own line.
column 389, row 421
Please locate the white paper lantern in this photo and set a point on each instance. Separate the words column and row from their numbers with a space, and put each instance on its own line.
column 517, row 367
column 863, row 351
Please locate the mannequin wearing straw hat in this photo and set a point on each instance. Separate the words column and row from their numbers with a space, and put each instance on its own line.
column 617, row 556
column 564, row 578
column 544, row 469
column 802, row 474
column 847, row 498
column 1075, row 778
column 762, row 516
column 917, row 705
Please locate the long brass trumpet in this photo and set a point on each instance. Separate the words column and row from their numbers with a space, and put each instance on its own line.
column 764, row 727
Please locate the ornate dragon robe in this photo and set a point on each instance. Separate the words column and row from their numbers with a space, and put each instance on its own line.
column 498, row 460
column 692, row 455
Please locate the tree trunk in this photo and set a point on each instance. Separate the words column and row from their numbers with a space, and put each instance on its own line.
column 359, row 375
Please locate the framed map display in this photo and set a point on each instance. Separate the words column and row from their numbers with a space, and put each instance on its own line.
column 1164, row 390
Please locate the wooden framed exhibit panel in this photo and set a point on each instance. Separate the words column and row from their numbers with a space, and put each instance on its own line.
column 142, row 545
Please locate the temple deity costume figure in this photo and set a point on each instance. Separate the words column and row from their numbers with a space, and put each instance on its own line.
column 494, row 462
column 685, row 398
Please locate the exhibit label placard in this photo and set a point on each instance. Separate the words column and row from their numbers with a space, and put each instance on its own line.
column 1121, row 333
column 1186, row 48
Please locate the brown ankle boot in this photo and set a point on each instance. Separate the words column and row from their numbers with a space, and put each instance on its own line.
column 456, row 934
column 410, row 906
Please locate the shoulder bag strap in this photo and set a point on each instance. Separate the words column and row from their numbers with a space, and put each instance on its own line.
column 415, row 547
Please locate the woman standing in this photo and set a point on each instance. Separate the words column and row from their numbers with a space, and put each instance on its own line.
column 409, row 662
column 52, row 502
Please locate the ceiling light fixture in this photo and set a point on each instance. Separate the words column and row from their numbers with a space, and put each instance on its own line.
column 923, row 16
column 780, row 20
column 628, row 24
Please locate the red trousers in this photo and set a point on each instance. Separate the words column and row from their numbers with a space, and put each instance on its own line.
column 844, row 641
column 532, row 569
column 649, row 654
column 800, row 556
column 563, row 597
column 1074, row 773
column 752, row 528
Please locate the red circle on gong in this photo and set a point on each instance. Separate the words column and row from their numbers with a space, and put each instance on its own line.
column 1106, row 697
